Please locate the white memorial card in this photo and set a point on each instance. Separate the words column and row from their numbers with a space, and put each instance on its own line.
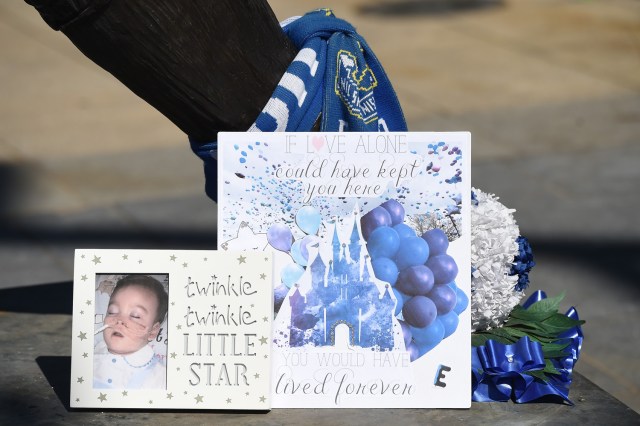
column 370, row 234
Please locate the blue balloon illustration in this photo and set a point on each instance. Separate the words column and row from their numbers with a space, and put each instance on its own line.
column 462, row 303
column 370, row 221
column 400, row 300
column 449, row 322
column 395, row 209
column 383, row 242
column 308, row 242
column 437, row 240
column 414, row 352
column 444, row 268
column 298, row 255
column 404, row 230
column 291, row 273
column 413, row 251
column 385, row 269
column 308, row 219
column 406, row 333
column 427, row 338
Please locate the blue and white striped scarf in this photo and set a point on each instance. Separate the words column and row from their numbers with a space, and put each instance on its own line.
column 335, row 76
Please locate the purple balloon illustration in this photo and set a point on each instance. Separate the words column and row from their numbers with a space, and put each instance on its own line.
column 279, row 237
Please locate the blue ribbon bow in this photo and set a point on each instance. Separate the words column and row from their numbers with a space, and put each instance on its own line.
column 335, row 76
column 499, row 370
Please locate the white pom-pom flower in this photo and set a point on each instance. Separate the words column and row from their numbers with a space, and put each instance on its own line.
column 493, row 247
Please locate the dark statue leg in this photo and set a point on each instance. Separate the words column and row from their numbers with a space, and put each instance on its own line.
column 208, row 66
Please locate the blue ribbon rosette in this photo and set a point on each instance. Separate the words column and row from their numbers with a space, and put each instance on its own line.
column 501, row 372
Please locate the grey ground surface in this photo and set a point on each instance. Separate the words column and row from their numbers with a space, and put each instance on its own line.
column 549, row 90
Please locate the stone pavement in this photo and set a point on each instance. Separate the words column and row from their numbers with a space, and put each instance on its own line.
column 549, row 89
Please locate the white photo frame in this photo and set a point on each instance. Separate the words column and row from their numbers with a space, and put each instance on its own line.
column 211, row 351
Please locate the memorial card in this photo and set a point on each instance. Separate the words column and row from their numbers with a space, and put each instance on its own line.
column 370, row 234
column 167, row 329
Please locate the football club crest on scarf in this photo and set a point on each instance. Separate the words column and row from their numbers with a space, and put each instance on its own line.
column 355, row 87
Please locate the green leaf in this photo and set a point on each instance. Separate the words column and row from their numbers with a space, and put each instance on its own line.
column 564, row 321
column 512, row 321
column 549, row 368
column 554, row 347
column 538, row 374
column 532, row 328
column 511, row 331
column 542, row 374
column 524, row 314
column 554, row 327
column 554, row 354
column 554, row 350
column 550, row 304
column 538, row 337
column 478, row 339
column 502, row 335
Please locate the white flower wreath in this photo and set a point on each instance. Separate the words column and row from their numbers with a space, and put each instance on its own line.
column 493, row 248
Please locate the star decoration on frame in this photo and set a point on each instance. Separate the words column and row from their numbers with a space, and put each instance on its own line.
column 96, row 260
column 102, row 397
column 198, row 398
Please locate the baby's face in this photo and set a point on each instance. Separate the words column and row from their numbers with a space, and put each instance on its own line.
column 131, row 316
